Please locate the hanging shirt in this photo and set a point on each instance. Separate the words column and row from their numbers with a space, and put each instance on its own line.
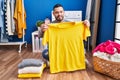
column 8, row 18
column 1, row 17
column 12, row 6
column 88, row 9
column 66, row 48
column 20, row 17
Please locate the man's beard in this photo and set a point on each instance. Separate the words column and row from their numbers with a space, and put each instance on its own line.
column 59, row 18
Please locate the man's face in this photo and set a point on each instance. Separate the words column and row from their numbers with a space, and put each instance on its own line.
column 58, row 14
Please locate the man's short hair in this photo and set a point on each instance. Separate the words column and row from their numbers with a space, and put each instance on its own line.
column 57, row 5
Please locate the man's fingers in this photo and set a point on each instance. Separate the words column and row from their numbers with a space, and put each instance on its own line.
column 44, row 29
column 86, row 22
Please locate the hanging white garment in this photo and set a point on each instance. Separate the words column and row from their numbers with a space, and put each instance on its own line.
column 8, row 18
column 12, row 6
column 88, row 9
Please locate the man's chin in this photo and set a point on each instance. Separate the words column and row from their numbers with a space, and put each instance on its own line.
column 59, row 20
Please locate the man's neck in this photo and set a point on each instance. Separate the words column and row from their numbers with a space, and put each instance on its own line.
column 57, row 21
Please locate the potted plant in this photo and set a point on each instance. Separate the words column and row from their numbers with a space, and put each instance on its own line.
column 39, row 22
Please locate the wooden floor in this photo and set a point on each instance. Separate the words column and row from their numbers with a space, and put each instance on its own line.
column 10, row 58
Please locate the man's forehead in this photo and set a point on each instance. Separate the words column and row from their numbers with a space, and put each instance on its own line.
column 59, row 9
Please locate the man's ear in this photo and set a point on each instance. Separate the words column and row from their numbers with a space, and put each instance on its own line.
column 53, row 13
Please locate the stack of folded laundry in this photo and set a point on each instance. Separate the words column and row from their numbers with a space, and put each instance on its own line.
column 30, row 68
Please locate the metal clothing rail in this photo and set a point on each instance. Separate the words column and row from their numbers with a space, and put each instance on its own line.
column 16, row 43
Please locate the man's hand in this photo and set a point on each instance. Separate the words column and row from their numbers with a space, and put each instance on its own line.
column 44, row 27
column 87, row 23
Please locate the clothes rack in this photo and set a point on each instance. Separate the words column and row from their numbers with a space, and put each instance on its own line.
column 11, row 16
column 16, row 43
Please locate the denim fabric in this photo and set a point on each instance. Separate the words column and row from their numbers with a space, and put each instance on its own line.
column 45, row 54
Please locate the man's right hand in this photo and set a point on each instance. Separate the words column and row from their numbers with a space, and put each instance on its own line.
column 44, row 27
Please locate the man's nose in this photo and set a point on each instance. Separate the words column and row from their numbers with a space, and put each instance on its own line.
column 59, row 13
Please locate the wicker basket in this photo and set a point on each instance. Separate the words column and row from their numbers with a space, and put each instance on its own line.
column 106, row 67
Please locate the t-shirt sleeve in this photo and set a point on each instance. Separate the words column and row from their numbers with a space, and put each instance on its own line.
column 86, row 32
column 45, row 38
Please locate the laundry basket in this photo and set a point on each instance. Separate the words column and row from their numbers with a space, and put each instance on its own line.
column 106, row 67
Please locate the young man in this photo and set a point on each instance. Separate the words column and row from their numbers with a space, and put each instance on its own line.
column 58, row 12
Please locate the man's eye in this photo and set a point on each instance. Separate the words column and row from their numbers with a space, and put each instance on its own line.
column 57, row 12
column 60, row 11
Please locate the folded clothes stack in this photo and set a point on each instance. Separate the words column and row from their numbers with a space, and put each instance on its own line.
column 30, row 68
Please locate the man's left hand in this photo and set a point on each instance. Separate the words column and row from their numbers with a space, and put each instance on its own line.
column 87, row 23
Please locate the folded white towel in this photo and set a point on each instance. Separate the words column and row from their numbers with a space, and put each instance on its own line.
column 102, row 55
column 30, row 69
column 115, row 57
